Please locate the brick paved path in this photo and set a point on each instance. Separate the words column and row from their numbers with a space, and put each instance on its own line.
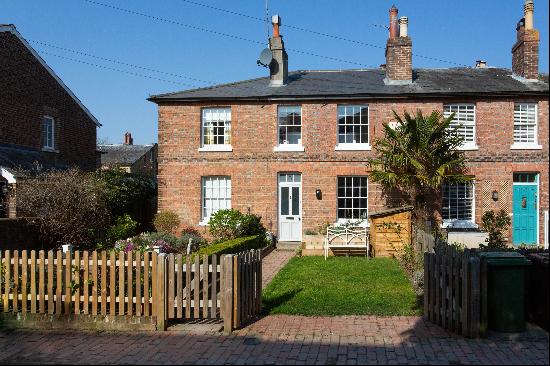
column 273, row 263
column 280, row 340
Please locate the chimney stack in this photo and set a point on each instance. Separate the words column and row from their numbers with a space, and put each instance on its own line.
column 398, row 51
column 128, row 140
column 525, row 52
column 278, row 69
column 481, row 64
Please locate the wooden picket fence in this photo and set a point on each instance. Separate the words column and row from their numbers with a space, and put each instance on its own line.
column 452, row 289
column 170, row 287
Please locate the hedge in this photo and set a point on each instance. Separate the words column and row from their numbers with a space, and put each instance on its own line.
column 233, row 246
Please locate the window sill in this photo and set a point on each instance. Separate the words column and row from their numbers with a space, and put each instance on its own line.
column 525, row 147
column 459, row 224
column 204, row 222
column 353, row 147
column 214, row 148
column 49, row 149
column 288, row 147
column 365, row 223
column 468, row 147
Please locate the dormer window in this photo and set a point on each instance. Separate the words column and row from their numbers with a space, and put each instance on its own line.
column 48, row 133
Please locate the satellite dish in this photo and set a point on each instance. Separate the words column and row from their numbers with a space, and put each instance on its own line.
column 265, row 57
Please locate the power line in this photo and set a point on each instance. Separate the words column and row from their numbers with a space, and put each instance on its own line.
column 174, row 22
column 260, row 19
column 328, row 35
column 119, row 62
column 350, row 84
column 115, row 69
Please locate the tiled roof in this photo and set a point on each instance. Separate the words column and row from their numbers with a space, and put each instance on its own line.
column 15, row 157
column 122, row 154
column 368, row 83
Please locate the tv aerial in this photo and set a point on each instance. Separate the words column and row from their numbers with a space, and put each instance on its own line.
column 266, row 56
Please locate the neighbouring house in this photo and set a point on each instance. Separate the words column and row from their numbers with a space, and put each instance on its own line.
column 135, row 159
column 42, row 122
column 292, row 146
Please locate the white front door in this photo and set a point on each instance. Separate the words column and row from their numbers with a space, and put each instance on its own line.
column 290, row 207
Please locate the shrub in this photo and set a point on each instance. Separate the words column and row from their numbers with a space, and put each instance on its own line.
column 234, row 245
column 147, row 242
column 127, row 193
column 496, row 225
column 230, row 224
column 252, row 225
column 67, row 206
column 124, row 227
column 167, row 221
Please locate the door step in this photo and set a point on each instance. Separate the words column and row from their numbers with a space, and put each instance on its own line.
column 288, row 245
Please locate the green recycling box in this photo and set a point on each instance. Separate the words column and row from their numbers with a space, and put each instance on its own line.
column 505, row 290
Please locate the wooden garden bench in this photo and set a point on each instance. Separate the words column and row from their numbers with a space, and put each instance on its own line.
column 346, row 238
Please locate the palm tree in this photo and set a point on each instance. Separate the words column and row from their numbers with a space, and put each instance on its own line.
column 417, row 157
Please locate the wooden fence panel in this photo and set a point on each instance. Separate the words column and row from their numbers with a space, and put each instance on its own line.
column 167, row 286
column 452, row 290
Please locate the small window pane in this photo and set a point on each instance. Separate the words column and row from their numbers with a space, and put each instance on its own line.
column 295, row 200
column 285, row 200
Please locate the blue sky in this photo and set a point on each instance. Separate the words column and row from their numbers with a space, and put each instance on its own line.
column 457, row 31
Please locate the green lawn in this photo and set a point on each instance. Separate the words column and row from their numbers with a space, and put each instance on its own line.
column 341, row 286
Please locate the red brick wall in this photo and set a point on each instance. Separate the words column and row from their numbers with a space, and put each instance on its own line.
column 399, row 58
column 525, row 54
column 253, row 165
column 27, row 93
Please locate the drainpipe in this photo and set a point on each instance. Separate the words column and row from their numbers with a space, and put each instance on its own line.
column 546, row 229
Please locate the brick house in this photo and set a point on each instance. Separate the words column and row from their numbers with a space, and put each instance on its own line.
column 41, row 120
column 292, row 147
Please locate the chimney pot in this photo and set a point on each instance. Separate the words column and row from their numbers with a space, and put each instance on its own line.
column 393, row 21
column 528, row 10
column 276, row 21
column 403, row 27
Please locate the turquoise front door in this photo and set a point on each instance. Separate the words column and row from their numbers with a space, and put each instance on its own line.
column 525, row 223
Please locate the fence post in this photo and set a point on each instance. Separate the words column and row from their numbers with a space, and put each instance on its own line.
column 426, row 285
column 227, row 293
column 160, row 296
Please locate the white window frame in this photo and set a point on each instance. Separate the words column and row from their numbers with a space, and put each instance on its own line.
column 353, row 146
column 205, row 217
column 364, row 222
column 289, row 147
column 45, row 145
column 462, row 224
column 530, row 145
column 466, row 145
column 226, row 146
